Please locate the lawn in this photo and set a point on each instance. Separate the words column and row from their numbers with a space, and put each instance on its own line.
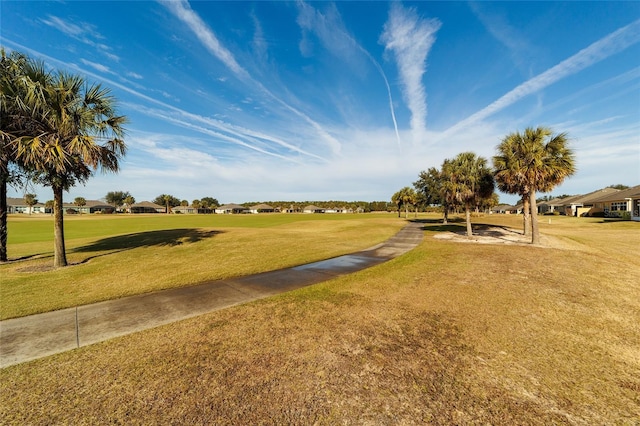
column 448, row 333
column 120, row 255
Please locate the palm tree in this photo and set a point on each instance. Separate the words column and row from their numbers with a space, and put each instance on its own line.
column 129, row 201
column 30, row 200
column 76, row 131
column 21, row 83
column 397, row 200
column 80, row 202
column 471, row 181
column 409, row 198
column 49, row 206
column 404, row 198
column 508, row 166
column 535, row 160
column 447, row 188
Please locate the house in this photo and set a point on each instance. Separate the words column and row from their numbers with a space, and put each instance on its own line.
column 313, row 209
column 184, row 210
column 147, row 207
column 231, row 209
column 91, row 206
column 502, row 209
column 551, row 206
column 338, row 210
column 261, row 208
column 17, row 205
column 576, row 205
column 618, row 203
column 517, row 209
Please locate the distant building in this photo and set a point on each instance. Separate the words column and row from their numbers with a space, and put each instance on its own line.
column 147, row 207
column 261, row 208
column 231, row 209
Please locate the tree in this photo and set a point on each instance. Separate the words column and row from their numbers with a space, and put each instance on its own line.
column 404, row 198
column 487, row 204
column 30, row 200
column 619, row 186
column 129, row 201
column 116, row 198
column 209, row 202
column 49, row 206
column 429, row 186
column 536, row 160
column 447, row 188
column 196, row 204
column 409, row 198
column 396, row 199
column 471, row 181
column 184, row 203
column 20, row 79
column 80, row 202
column 73, row 130
column 167, row 200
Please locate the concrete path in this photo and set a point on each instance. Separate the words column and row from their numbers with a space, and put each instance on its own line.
column 36, row 336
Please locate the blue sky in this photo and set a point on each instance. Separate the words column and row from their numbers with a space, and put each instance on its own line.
column 257, row 101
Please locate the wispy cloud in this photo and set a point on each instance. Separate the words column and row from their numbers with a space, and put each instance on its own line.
column 334, row 36
column 410, row 38
column 79, row 31
column 259, row 44
column 134, row 75
column 183, row 11
column 613, row 43
column 83, row 32
column 520, row 49
column 221, row 130
column 98, row 67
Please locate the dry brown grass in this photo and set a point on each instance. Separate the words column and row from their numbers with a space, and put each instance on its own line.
column 446, row 334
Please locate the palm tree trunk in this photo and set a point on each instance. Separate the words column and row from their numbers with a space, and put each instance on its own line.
column 59, row 252
column 467, row 212
column 526, row 210
column 406, row 211
column 3, row 218
column 445, row 219
column 535, row 231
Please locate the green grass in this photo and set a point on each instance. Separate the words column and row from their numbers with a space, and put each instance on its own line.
column 448, row 333
column 116, row 256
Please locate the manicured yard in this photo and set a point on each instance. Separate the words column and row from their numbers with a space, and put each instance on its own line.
column 115, row 256
column 448, row 333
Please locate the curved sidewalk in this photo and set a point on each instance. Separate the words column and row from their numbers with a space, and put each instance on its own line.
column 36, row 336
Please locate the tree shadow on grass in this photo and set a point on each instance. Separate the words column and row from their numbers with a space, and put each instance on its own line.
column 161, row 238
column 454, row 224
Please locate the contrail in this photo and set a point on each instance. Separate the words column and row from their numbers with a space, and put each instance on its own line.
column 613, row 43
column 182, row 10
column 325, row 31
column 226, row 127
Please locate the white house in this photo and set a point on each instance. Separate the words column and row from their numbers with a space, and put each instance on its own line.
column 313, row 209
column 231, row 209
